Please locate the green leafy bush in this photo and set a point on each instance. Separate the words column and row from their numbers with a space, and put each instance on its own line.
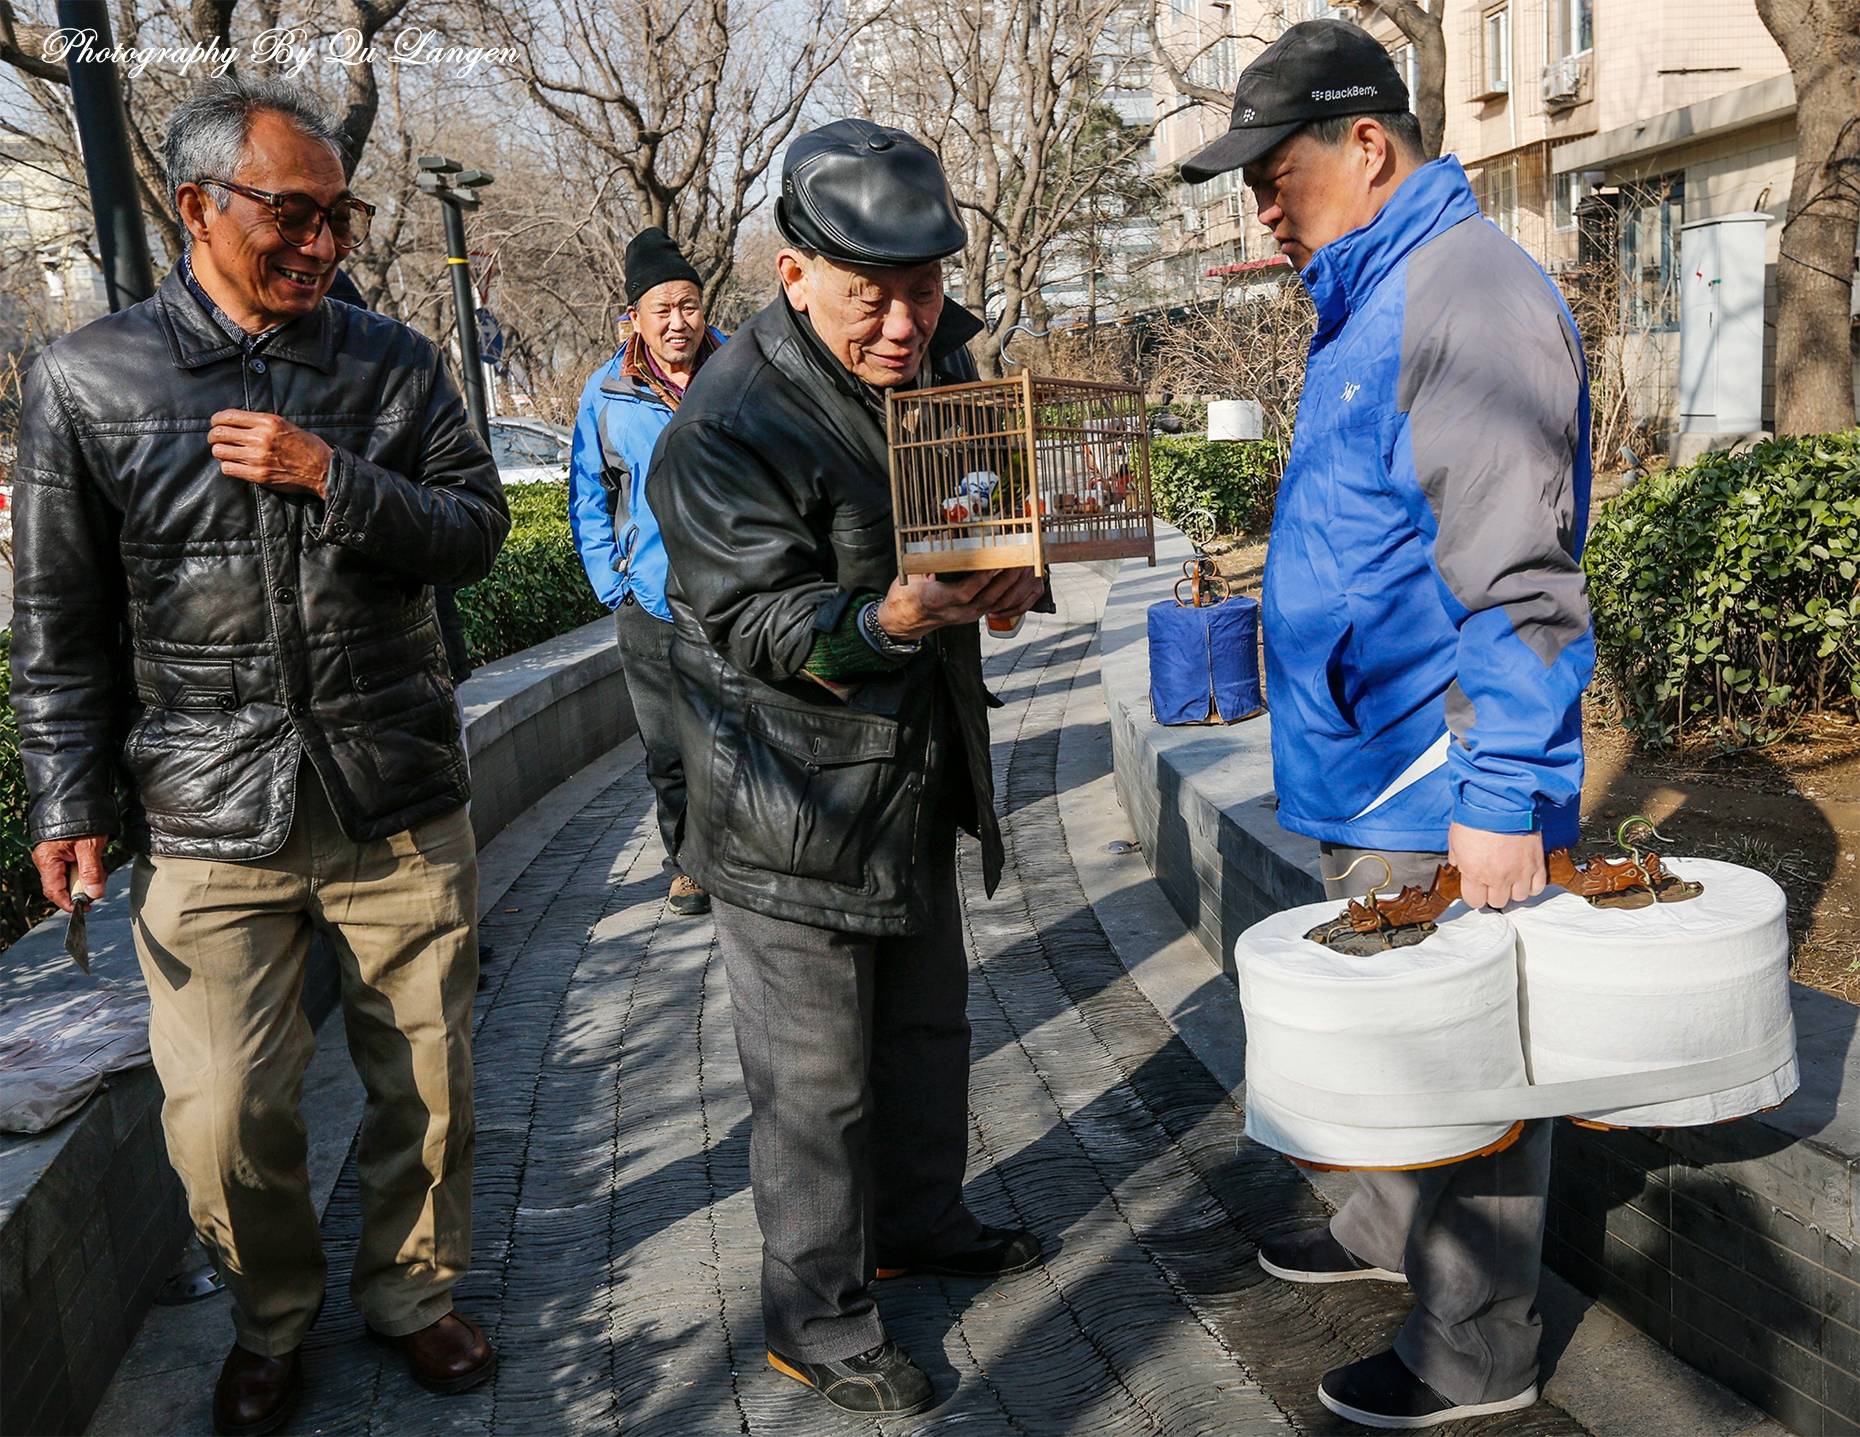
column 1234, row 480
column 1725, row 594
column 20, row 902
column 538, row 588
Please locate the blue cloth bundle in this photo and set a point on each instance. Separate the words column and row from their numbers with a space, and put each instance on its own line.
column 1204, row 663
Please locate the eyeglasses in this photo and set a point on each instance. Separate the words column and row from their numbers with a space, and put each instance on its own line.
column 300, row 218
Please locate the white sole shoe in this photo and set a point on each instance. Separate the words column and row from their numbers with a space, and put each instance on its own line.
column 1526, row 1398
column 1360, row 1274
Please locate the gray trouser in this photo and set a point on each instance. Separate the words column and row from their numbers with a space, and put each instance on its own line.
column 855, row 1052
column 1469, row 1236
column 646, row 660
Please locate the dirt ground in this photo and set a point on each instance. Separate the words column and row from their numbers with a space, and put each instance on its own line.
column 1791, row 810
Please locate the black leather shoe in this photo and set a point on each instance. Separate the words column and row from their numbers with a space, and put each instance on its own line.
column 1381, row 1392
column 880, row 1382
column 255, row 1394
column 1313, row 1255
column 994, row 1252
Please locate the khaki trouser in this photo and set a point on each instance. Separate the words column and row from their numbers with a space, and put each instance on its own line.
column 222, row 947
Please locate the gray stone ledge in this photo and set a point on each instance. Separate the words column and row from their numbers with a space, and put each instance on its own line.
column 1773, row 1200
column 91, row 1216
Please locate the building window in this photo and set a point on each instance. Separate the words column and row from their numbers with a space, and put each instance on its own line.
column 1182, row 7
column 1648, row 247
column 1572, row 27
column 1407, row 60
column 1498, row 195
column 1567, row 192
column 1495, row 48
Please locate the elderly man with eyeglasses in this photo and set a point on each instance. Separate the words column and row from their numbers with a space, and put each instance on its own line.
column 234, row 501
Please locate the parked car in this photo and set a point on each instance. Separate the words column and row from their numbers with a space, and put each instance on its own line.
column 529, row 451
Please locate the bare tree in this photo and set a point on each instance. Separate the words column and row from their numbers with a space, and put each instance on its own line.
column 1016, row 97
column 1254, row 342
column 1815, row 272
column 669, row 112
column 150, row 97
column 1420, row 22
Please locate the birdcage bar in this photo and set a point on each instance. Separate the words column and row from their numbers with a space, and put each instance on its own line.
column 1021, row 472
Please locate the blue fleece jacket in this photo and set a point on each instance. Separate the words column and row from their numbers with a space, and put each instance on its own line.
column 617, row 423
column 1426, row 623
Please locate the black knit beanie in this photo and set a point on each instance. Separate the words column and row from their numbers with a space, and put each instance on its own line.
column 651, row 260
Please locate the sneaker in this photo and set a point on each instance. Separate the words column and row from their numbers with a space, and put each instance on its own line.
column 1313, row 1255
column 687, row 899
column 994, row 1252
column 1380, row 1391
column 882, row 1381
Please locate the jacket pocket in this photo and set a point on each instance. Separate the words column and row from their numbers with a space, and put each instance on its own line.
column 186, row 684
column 177, row 752
column 810, row 792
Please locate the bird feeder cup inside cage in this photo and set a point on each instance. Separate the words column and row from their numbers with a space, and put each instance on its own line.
column 1019, row 473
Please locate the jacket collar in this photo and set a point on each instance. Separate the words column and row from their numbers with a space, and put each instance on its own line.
column 1343, row 274
column 627, row 377
column 195, row 337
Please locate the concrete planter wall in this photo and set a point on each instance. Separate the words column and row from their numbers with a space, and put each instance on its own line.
column 91, row 1215
column 1737, row 1246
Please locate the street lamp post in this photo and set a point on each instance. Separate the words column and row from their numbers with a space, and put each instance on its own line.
column 456, row 189
column 103, row 132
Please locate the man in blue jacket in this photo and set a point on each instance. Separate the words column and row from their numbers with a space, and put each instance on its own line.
column 1427, row 637
column 625, row 405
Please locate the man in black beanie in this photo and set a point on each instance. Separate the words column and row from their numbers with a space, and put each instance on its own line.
column 625, row 406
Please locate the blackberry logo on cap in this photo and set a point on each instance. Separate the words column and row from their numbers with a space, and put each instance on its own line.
column 1314, row 71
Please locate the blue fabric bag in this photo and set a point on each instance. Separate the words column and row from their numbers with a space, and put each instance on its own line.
column 1204, row 663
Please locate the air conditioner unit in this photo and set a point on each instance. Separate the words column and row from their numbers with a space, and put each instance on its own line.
column 1563, row 81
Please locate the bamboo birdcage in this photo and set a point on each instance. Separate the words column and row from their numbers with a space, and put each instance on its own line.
column 1019, row 473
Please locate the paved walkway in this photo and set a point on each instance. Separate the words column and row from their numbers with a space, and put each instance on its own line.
column 616, row 1246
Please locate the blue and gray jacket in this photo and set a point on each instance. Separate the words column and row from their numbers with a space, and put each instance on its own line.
column 1427, row 628
column 617, row 423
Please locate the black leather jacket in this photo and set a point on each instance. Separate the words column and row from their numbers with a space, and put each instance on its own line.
column 771, row 488
column 205, row 632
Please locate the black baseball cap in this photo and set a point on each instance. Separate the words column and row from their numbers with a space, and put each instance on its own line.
column 1313, row 71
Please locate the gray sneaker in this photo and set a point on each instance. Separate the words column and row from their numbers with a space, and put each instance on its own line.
column 882, row 1382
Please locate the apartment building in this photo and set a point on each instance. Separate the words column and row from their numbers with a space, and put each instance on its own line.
column 1657, row 112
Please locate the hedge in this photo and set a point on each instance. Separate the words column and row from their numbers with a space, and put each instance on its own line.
column 20, row 903
column 1725, row 595
column 536, row 590
column 1235, row 480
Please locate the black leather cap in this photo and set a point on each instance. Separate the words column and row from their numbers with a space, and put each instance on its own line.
column 1316, row 69
column 860, row 193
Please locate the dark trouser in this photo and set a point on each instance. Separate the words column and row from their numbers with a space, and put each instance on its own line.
column 646, row 660
column 855, row 1052
column 1469, row 1236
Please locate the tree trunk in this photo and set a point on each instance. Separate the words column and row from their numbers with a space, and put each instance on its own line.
column 1430, row 105
column 1420, row 23
column 1815, row 273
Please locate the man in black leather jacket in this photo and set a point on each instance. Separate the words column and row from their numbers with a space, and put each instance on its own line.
column 835, row 733
column 233, row 502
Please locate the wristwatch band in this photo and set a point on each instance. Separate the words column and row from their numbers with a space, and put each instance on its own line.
column 883, row 642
